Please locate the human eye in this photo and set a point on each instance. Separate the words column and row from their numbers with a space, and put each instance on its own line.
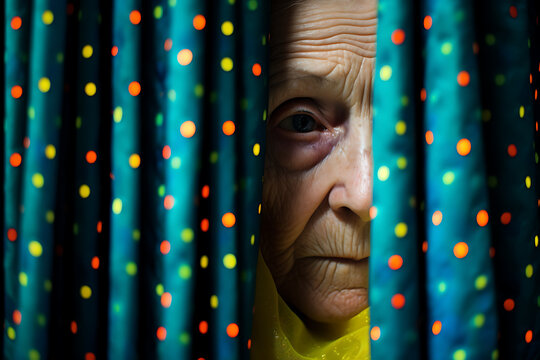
column 299, row 123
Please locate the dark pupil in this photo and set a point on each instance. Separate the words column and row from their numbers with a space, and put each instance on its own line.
column 303, row 123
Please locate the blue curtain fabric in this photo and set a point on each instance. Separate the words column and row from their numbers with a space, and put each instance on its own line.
column 133, row 158
column 455, row 254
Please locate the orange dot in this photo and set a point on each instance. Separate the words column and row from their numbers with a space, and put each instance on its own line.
column 89, row 356
column 99, row 226
column 184, row 57
column 423, row 95
column 256, row 69
column 114, row 51
column 15, row 159
column 228, row 220
column 395, row 262
column 428, row 21
column 398, row 301
column 437, row 218
column 168, row 202
column 167, row 45
column 505, row 218
column 375, row 333
column 205, row 224
column 463, row 147
column 135, row 17
column 482, row 218
column 205, row 191
column 199, row 22
column 73, row 327
column 491, row 252
column 91, row 157
column 17, row 317
column 187, row 129
column 436, row 328
column 512, row 150
column 398, row 36
column 463, row 78
column 134, row 88
column 372, row 212
column 249, row 344
column 513, row 11
column 228, row 127
column 232, row 330
column 166, row 152
column 424, row 246
column 203, row 327
column 165, row 247
column 528, row 336
column 16, row 91
column 161, row 333
column 509, row 304
column 95, row 263
column 16, row 22
column 461, row 249
column 12, row 234
column 166, row 299
column 26, row 142
column 429, row 137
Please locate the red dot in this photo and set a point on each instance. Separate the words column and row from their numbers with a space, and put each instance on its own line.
column 166, row 300
column 73, row 327
column 256, row 69
column 205, row 224
column 398, row 301
column 424, row 246
column 91, row 157
column 429, row 137
column 395, row 262
column 428, row 21
column 17, row 317
column 436, row 328
column 505, row 218
column 482, row 218
column 513, row 11
column 228, row 127
column 161, row 333
column 203, row 327
column 423, row 95
column 89, row 356
column 199, row 22
column 16, row 91
column 135, row 17
column 16, row 22
column 232, row 330
column 509, row 304
column 99, row 226
column 165, row 247
column 114, row 51
column 134, row 88
column 398, row 36
column 15, row 159
column 168, row 202
column 95, row 263
column 166, row 152
column 12, row 234
column 463, row 78
column 167, row 46
column 205, row 192
column 512, row 150
column 528, row 336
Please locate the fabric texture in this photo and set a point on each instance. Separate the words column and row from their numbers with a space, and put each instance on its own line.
column 279, row 333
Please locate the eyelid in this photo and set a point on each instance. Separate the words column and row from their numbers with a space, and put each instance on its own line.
column 297, row 106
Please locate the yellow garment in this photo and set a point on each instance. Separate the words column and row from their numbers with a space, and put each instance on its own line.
column 278, row 333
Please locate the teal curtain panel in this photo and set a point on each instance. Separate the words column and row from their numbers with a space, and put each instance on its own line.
column 455, row 255
column 133, row 157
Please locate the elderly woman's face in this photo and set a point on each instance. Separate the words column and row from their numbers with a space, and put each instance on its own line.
column 318, row 174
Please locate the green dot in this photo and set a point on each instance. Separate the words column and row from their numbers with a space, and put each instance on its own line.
column 184, row 338
column 75, row 229
column 47, row 285
column 136, row 235
column 404, row 100
column 401, row 162
column 213, row 157
column 495, row 354
column 161, row 190
column 172, row 95
column 492, row 181
column 11, row 333
column 159, row 289
column 479, row 320
column 131, row 268
column 199, row 90
column 460, row 354
column 184, row 271
column 158, row 12
column 176, row 162
column 172, row 3
column 159, row 119
column 490, row 39
column 49, row 216
column 23, row 279
column 187, row 235
column 252, row 5
column 442, row 287
column 448, row 178
column 31, row 112
column 446, row 48
column 117, row 206
column 500, row 79
column 34, row 355
column 41, row 320
column 481, row 282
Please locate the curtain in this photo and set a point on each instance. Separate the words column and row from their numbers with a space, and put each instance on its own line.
column 133, row 155
column 455, row 254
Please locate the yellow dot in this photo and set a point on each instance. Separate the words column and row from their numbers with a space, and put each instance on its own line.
column 90, row 89
column 35, row 248
column 44, row 84
column 84, row 191
column 529, row 271
column 229, row 261
column 383, row 173
column 386, row 73
column 448, row 178
column 117, row 114
column 480, row 282
column 460, row 355
column 117, row 206
column 131, row 268
column 23, row 279
column 158, row 12
column 160, row 289
column 226, row 64
column 134, row 161
column 86, row 292
column 11, row 333
column 521, row 112
column 187, row 235
column 401, row 162
column 136, row 235
column 528, row 182
column 204, row 261
column 199, row 90
column 49, row 216
column 214, row 302
column 47, row 285
column 252, row 240
column 401, row 127
column 495, row 354
column 446, row 48
column 37, row 180
column 227, row 28
column 184, row 271
column 479, row 320
column 47, row 17
column 34, row 355
column 50, row 151
column 256, row 149
column 536, row 241
column 400, row 230
column 87, row 51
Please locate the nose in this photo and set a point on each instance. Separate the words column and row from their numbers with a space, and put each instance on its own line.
column 353, row 184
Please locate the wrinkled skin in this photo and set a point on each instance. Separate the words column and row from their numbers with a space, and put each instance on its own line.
column 318, row 172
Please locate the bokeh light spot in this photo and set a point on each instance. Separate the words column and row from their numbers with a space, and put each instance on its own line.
column 461, row 249
column 401, row 230
column 35, row 248
column 482, row 218
column 395, row 262
column 463, row 147
column 184, row 57
column 398, row 301
column 398, row 36
column 229, row 261
column 232, row 330
column 135, row 17
column 44, row 84
column 228, row 219
column 436, row 218
column 134, row 88
column 187, row 129
column 86, row 292
column 228, row 127
column 199, row 22
column 436, row 327
column 375, row 333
